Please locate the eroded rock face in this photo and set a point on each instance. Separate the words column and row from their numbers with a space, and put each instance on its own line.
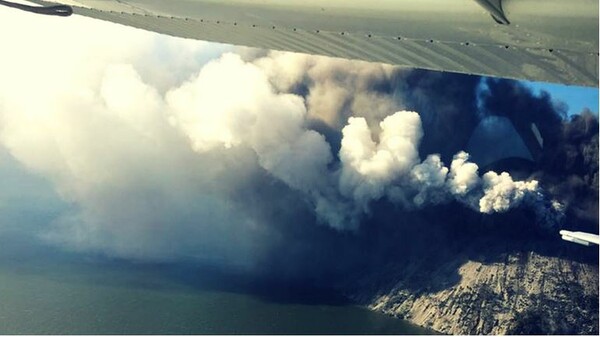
column 459, row 272
column 523, row 293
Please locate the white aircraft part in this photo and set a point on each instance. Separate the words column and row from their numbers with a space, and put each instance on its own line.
column 546, row 40
column 581, row 238
column 537, row 134
column 572, row 239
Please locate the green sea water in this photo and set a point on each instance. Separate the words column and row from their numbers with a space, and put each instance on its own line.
column 79, row 298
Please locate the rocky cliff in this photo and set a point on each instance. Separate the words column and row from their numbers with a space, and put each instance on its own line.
column 502, row 278
column 525, row 293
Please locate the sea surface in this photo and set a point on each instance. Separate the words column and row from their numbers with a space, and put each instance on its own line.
column 43, row 296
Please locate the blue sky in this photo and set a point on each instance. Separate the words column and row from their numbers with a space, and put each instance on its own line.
column 577, row 98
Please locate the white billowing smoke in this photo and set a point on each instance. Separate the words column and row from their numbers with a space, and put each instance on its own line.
column 430, row 176
column 392, row 169
column 368, row 168
column 244, row 110
column 501, row 192
column 161, row 157
column 89, row 115
column 463, row 175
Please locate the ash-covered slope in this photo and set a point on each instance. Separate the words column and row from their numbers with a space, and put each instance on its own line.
column 504, row 277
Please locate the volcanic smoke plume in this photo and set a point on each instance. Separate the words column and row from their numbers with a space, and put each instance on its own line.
column 182, row 158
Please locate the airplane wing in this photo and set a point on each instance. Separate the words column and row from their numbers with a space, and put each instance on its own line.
column 581, row 238
column 541, row 40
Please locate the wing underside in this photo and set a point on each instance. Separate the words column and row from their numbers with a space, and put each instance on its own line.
column 541, row 40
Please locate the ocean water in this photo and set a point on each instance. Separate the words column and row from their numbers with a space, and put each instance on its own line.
column 77, row 298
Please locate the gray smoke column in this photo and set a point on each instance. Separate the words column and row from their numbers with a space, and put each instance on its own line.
column 334, row 89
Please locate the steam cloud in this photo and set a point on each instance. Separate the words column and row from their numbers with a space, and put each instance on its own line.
column 160, row 164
